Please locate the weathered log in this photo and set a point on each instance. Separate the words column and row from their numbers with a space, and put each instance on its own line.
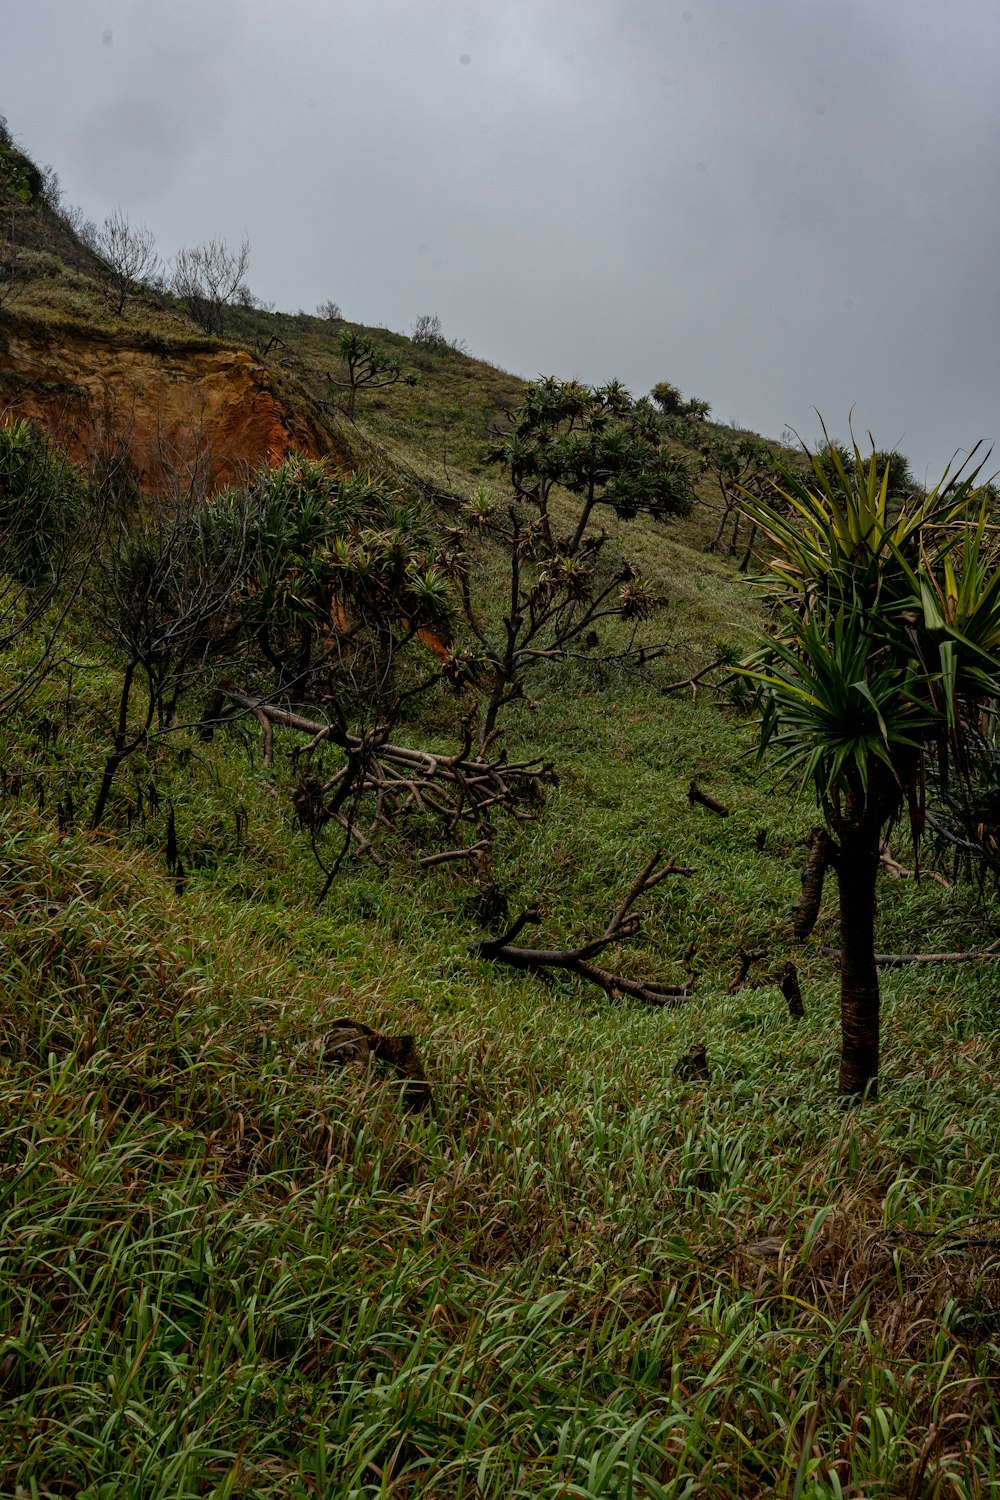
column 353, row 1041
column 896, row 960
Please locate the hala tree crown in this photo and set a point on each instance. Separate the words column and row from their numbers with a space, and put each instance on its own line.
column 888, row 640
column 598, row 443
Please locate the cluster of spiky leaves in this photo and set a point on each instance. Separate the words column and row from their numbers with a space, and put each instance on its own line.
column 328, row 549
column 888, row 628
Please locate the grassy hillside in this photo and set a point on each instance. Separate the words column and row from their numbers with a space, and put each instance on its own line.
column 233, row 1264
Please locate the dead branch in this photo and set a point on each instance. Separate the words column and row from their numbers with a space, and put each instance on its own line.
column 464, row 790
column 268, row 730
column 746, row 958
column 900, row 872
column 695, row 679
column 622, row 926
column 695, row 794
column 806, row 909
column 472, row 853
column 894, row 960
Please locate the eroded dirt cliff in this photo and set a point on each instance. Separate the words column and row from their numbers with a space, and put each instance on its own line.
column 177, row 406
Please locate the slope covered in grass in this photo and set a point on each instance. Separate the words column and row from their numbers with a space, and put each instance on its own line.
column 232, row 1265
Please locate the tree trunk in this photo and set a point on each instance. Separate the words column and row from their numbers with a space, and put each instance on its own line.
column 857, row 869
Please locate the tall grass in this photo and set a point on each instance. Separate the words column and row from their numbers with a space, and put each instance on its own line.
column 229, row 1268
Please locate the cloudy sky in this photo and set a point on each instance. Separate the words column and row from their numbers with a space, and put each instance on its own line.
column 779, row 205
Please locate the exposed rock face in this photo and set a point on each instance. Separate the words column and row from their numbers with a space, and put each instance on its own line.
column 177, row 406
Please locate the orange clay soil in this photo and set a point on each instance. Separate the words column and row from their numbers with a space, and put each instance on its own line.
column 176, row 407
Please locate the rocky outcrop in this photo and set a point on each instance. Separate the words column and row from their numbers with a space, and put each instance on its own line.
column 178, row 405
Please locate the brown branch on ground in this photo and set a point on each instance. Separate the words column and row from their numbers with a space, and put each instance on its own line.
column 352, row 1041
column 746, row 958
column 622, row 926
column 268, row 731
column 789, row 985
column 806, row 909
column 693, row 681
column 462, row 791
column 895, row 960
column 695, row 794
column 900, row 872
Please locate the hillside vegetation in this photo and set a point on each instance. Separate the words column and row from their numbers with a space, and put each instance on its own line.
column 243, row 1253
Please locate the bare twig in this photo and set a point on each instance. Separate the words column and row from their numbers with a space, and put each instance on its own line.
column 693, row 681
column 746, row 958
column 268, row 729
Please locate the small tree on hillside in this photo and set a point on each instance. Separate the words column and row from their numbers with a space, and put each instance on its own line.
column 207, row 278
column 428, row 333
column 601, row 446
column 885, row 661
column 367, row 367
column 128, row 255
column 162, row 595
column 740, row 467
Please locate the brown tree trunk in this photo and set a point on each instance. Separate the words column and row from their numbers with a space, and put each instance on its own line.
column 857, row 869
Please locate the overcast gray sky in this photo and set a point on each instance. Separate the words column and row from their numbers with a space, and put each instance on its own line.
column 775, row 204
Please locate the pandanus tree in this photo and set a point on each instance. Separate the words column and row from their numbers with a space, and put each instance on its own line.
column 599, row 445
column 885, row 664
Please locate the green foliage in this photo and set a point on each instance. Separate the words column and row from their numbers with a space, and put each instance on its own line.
column 836, row 458
column 328, row 554
column 20, row 179
column 598, row 444
column 672, row 403
column 41, row 503
column 889, row 629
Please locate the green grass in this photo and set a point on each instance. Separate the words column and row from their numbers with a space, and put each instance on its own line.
column 229, row 1268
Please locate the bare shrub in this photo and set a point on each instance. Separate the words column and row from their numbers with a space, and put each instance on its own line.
column 128, row 256
column 207, row 278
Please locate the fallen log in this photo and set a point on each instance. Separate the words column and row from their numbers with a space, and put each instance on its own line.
column 622, row 926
